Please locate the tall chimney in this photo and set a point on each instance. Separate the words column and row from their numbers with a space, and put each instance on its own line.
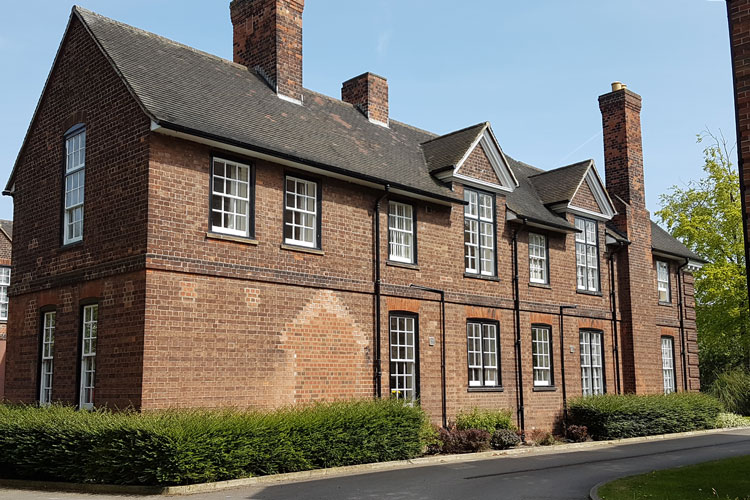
column 268, row 39
column 623, row 147
column 368, row 93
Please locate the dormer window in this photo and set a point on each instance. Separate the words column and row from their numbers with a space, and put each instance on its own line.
column 587, row 255
column 479, row 233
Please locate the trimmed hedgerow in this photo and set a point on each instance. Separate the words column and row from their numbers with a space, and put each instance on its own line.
column 191, row 446
column 621, row 416
column 486, row 420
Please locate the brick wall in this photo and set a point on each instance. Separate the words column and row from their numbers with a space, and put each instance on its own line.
column 5, row 253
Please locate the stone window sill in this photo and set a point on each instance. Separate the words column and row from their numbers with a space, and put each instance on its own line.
column 498, row 388
column 404, row 265
column 540, row 285
column 665, row 304
column 545, row 388
column 295, row 248
column 588, row 292
column 481, row 277
column 228, row 237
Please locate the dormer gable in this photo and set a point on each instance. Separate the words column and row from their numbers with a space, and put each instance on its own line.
column 471, row 156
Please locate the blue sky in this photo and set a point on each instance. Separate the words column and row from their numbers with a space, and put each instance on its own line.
column 533, row 69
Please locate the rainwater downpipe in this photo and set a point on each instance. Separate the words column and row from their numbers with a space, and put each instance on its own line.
column 378, row 371
column 683, row 356
column 442, row 347
column 613, row 300
column 562, row 366
column 519, row 360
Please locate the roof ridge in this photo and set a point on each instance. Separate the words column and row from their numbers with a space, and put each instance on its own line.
column 563, row 167
column 81, row 10
column 482, row 124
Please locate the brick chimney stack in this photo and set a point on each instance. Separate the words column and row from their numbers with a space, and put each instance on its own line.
column 623, row 147
column 268, row 38
column 369, row 93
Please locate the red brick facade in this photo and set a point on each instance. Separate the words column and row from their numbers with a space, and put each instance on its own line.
column 189, row 318
column 5, row 260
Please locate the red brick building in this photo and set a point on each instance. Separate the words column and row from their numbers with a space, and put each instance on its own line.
column 6, row 237
column 219, row 235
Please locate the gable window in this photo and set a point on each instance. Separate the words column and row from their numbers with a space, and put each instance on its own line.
column 667, row 364
column 48, row 352
column 484, row 361
column 587, row 255
column 88, row 355
column 592, row 373
column 662, row 280
column 403, row 347
column 231, row 186
column 538, row 258
column 479, row 233
column 4, row 284
column 75, row 170
column 401, row 232
column 301, row 218
column 541, row 353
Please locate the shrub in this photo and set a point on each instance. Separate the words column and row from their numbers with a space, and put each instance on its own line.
column 503, row 439
column 725, row 420
column 463, row 440
column 486, row 420
column 541, row 437
column 732, row 388
column 183, row 447
column 577, row 433
column 622, row 416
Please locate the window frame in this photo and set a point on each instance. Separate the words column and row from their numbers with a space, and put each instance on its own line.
column 668, row 282
column 551, row 368
column 72, row 132
column 596, row 244
column 316, row 245
column 479, row 271
column 498, row 367
column 673, row 368
column 81, row 355
column 42, row 386
column 4, row 298
column 415, row 361
column 391, row 257
column 546, row 280
column 602, row 367
column 250, row 233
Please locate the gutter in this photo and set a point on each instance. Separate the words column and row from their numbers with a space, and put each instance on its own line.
column 683, row 345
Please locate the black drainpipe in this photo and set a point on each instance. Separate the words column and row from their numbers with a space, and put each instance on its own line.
column 519, row 360
column 562, row 366
column 378, row 368
column 683, row 357
column 613, row 300
column 442, row 346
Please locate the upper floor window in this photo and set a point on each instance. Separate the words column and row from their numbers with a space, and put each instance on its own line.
column 48, row 352
column 538, row 258
column 301, row 217
column 401, row 232
column 592, row 370
column 479, row 233
column 75, row 170
column 662, row 280
column 587, row 255
column 88, row 355
column 4, row 284
column 484, row 361
column 231, row 187
column 541, row 353
column 667, row 364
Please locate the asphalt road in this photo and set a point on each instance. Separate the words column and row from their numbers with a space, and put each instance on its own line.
column 558, row 476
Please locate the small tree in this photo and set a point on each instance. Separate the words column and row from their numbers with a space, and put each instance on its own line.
column 707, row 216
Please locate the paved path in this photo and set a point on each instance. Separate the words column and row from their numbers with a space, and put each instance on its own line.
column 561, row 476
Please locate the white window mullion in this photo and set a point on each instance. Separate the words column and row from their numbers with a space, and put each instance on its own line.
column 88, row 355
column 541, row 356
column 479, row 233
column 667, row 364
column 48, row 352
column 301, row 212
column 74, row 183
column 401, row 232
column 537, row 258
column 230, row 197
column 403, row 357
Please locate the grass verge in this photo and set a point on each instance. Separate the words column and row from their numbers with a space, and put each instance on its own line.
column 720, row 479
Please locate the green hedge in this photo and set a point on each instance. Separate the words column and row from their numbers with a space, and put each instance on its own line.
column 622, row 416
column 190, row 446
column 732, row 388
column 486, row 420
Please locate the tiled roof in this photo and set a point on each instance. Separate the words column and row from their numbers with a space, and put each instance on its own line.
column 662, row 241
column 560, row 184
column 449, row 149
column 7, row 227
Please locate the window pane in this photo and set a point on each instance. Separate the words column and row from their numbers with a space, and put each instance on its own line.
column 230, row 207
column 300, row 212
column 400, row 234
column 403, row 358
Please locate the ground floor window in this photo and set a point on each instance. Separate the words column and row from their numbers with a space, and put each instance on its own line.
column 88, row 355
column 48, row 352
column 541, row 350
column 484, row 363
column 667, row 364
column 592, row 372
column 403, row 347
